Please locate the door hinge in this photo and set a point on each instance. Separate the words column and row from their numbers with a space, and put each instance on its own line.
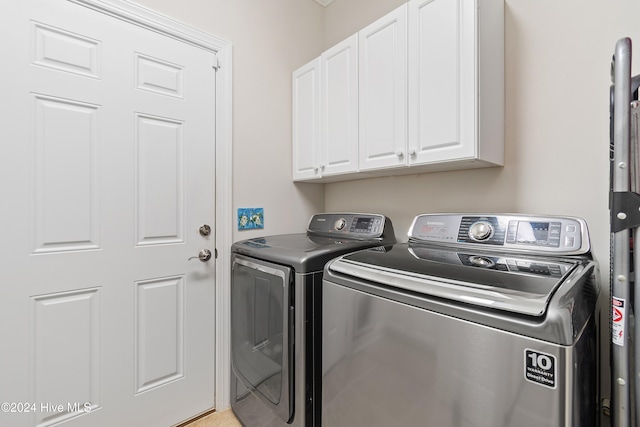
column 216, row 63
column 215, row 253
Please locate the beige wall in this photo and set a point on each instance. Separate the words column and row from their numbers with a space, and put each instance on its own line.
column 270, row 39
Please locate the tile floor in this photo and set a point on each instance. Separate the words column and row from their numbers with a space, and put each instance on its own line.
column 224, row 418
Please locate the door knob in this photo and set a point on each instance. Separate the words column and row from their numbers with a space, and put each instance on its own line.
column 204, row 255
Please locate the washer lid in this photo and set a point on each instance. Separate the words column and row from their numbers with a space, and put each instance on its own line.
column 514, row 284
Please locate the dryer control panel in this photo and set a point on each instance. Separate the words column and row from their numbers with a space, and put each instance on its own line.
column 349, row 225
column 558, row 235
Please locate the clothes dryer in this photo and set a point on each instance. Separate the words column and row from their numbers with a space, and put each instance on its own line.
column 276, row 295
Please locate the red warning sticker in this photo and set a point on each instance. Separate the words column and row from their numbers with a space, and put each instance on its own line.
column 617, row 321
column 617, row 315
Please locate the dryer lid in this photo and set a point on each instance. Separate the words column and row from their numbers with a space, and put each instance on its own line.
column 328, row 236
column 515, row 284
column 305, row 253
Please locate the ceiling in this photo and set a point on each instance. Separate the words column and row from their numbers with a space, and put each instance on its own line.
column 324, row 2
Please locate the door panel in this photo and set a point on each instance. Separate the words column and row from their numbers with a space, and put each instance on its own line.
column 108, row 173
column 159, row 180
column 66, row 194
column 160, row 329
column 339, row 103
column 69, row 320
column 442, row 80
column 306, row 120
column 434, row 75
column 383, row 91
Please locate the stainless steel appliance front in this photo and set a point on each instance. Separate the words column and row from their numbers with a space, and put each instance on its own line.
column 464, row 327
column 276, row 294
column 387, row 363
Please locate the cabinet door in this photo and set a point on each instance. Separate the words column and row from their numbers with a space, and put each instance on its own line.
column 306, row 121
column 442, row 76
column 339, row 114
column 383, row 91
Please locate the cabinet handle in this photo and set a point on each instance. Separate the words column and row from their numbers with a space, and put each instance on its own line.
column 399, row 153
column 321, row 166
column 412, row 151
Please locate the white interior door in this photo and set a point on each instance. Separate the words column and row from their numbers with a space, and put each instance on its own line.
column 108, row 168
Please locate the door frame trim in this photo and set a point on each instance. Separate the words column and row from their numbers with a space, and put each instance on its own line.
column 222, row 49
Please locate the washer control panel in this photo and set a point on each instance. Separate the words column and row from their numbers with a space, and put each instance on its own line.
column 351, row 225
column 566, row 235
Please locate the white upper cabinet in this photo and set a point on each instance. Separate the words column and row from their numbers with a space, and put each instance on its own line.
column 325, row 114
column 435, row 50
column 419, row 90
column 339, row 112
column 306, row 121
column 383, row 92
column 456, row 83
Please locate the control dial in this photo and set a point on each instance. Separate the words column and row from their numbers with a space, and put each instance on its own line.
column 340, row 224
column 480, row 261
column 481, row 230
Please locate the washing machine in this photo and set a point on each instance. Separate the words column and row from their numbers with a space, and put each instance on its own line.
column 478, row 321
column 276, row 296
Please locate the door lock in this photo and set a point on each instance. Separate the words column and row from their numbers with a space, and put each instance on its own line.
column 205, row 230
column 204, row 255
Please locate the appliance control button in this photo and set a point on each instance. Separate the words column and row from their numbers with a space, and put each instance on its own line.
column 340, row 224
column 480, row 261
column 481, row 230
